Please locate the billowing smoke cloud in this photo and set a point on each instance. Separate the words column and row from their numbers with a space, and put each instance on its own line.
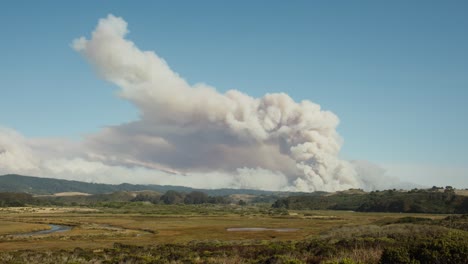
column 196, row 129
column 192, row 135
column 62, row 159
column 15, row 154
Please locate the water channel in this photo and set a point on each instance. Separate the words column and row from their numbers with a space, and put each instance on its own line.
column 53, row 229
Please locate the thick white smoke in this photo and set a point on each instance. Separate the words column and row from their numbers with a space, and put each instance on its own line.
column 64, row 160
column 194, row 128
column 15, row 153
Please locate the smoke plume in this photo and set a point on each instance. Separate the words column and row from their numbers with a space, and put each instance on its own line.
column 188, row 128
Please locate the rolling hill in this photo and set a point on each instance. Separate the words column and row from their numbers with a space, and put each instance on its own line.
column 48, row 186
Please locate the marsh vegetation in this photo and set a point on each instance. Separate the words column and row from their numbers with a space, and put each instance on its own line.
column 141, row 232
column 146, row 226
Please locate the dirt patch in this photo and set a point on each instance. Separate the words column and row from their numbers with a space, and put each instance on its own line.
column 62, row 194
column 45, row 210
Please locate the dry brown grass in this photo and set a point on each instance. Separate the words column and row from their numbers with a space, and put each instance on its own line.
column 9, row 227
column 461, row 192
column 99, row 230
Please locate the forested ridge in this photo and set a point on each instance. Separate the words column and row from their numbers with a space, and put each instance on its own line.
column 434, row 200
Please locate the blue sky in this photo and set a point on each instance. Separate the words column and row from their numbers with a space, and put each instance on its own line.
column 395, row 72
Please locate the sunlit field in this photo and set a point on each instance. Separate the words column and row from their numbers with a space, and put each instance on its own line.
column 171, row 224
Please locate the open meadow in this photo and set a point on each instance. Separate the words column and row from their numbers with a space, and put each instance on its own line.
column 315, row 236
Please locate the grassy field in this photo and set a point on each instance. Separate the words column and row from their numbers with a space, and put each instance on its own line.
column 141, row 232
column 11, row 227
column 162, row 224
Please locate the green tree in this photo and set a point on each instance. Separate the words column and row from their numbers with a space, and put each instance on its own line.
column 172, row 197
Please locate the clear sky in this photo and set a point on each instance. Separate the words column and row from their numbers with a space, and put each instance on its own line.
column 394, row 72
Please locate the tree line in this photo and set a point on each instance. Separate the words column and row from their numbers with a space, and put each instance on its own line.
column 11, row 199
column 174, row 197
column 434, row 200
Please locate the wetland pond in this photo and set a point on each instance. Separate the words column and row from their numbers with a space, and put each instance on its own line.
column 259, row 229
column 53, row 229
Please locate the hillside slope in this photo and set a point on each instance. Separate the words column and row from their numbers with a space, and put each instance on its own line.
column 43, row 186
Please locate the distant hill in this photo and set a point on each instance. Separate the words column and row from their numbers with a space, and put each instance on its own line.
column 48, row 186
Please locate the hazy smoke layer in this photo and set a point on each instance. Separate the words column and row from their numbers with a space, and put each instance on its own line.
column 194, row 128
column 65, row 160
column 15, row 154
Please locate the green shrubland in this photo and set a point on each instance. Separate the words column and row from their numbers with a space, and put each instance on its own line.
column 415, row 201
